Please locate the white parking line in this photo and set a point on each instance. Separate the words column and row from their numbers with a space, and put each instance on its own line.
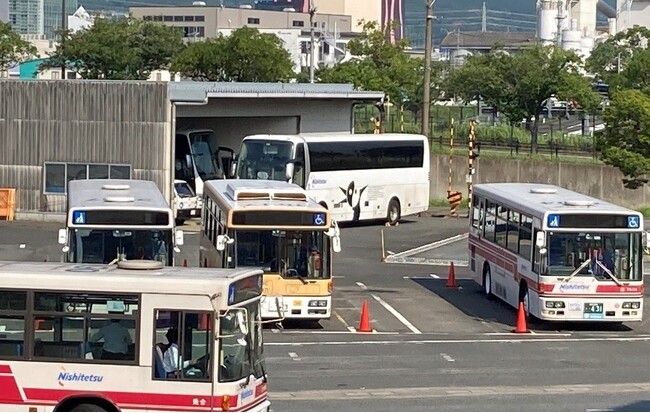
column 447, row 357
column 460, row 341
column 349, row 327
column 397, row 315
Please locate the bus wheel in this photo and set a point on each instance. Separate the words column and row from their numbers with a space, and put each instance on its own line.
column 85, row 407
column 487, row 282
column 394, row 213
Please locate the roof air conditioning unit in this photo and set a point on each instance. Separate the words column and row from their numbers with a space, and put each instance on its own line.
column 198, row 3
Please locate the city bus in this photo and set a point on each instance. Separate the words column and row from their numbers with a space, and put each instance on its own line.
column 198, row 157
column 131, row 336
column 566, row 256
column 355, row 176
column 117, row 219
column 275, row 226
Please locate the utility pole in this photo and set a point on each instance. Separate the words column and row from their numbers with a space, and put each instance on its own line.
column 484, row 19
column 427, row 68
column 312, row 11
column 64, row 27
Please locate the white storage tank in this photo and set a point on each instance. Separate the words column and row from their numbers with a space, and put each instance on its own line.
column 546, row 20
column 572, row 38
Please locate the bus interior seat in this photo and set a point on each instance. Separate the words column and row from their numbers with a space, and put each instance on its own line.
column 60, row 349
column 159, row 370
column 11, row 348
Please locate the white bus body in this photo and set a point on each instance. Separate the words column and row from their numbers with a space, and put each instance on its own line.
column 356, row 177
column 198, row 159
column 275, row 226
column 564, row 255
column 51, row 358
column 117, row 219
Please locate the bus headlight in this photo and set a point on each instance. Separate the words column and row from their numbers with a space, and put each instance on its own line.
column 554, row 304
column 317, row 303
column 632, row 304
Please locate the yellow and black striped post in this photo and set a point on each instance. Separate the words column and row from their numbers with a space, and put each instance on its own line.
column 454, row 198
column 470, row 161
column 451, row 153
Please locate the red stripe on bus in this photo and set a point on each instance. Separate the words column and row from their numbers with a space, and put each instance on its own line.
column 9, row 392
column 619, row 289
column 5, row 369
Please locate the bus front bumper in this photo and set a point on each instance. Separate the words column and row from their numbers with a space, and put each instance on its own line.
column 293, row 307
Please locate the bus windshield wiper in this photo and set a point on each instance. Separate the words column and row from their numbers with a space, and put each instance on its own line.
column 608, row 272
column 577, row 270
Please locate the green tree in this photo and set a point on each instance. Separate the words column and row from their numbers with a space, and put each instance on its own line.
column 625, row 142
column 517, row 84
column 245, row 56
column 377, row 64
column 13, row 49
column 622, row 60
column 127, row 49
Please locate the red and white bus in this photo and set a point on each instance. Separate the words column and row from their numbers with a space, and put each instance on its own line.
column 135, row 336
column 565, row 255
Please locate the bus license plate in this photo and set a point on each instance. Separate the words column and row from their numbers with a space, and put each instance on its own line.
column 593, row 310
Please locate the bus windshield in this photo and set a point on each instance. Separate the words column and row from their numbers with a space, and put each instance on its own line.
column 263, row 160
column 241, row 354
column 615, row 253
column 102, row 246
column 302, row 254
column 204, row 155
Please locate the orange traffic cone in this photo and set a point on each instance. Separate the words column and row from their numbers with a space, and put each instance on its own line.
column 451, row 279
column 185, row 262
column 364, row 324
column 521, row 326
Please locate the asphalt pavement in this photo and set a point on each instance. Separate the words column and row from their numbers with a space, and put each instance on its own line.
column 433, row 348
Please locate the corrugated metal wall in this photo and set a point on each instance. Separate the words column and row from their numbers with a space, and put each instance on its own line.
column 80, row 121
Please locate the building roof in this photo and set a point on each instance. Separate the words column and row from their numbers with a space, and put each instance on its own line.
column 199, row 92
column 486, row 40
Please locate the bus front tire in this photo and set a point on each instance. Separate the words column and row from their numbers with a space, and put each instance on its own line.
column 394, row 213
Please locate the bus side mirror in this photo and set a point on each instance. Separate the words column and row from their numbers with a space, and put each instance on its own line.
column 63, row 236
column 288, row 171
column 179, row 237
column 646, row 239
column 233, row 168
column 336, row 243
column 540, row 242
column 222, row 240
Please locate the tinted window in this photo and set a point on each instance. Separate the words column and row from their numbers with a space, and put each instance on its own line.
column 329, row 156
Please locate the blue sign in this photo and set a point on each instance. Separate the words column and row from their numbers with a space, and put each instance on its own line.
column 633, row 221
column 553, row 221
column 231, row 294
column 78, row 217
column 319, row 218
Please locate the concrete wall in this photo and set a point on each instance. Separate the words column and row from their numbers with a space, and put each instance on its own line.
column 85, row 122
column 604, row 182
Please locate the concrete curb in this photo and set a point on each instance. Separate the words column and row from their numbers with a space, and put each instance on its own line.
column 58, row 217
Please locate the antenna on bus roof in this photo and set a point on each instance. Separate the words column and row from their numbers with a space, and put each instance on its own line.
column 119, row 199
column 116, row 187
column 139, row 265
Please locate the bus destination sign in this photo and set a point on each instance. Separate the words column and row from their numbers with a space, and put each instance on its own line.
column 119, row 217
column 593, row 221
column 279, row 218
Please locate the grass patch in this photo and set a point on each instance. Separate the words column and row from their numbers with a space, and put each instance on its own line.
column 444, row 203
column 645, row 211
column 505, row 154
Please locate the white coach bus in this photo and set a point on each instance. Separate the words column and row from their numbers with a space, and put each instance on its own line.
column 355, row 176
column 565, row 255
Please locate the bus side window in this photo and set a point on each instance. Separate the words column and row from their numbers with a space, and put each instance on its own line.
column 299, row 166
column 476, row 213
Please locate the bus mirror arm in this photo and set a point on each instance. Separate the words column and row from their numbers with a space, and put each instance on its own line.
column 63, row 236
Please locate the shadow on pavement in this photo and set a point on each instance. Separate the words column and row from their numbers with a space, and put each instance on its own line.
column 469, row 299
